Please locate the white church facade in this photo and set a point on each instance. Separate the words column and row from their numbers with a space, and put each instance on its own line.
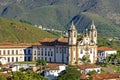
column 69, row 50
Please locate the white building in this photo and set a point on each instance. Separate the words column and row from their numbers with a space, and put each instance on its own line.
column 53, row 70
column 103, row 52
column 15, row 52
column 86, row 68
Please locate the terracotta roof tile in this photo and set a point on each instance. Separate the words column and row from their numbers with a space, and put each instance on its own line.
column 85, row 66
column 54, row 41
column 48, row 40
column 63, row 40
column 53, row 66
column 6, row 44
column 106, row 76
column 105, row 48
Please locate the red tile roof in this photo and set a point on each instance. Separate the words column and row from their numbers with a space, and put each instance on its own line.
column 85, row 66
column 105, row 48
column 106, row 76
column 52, row 42
column 53, row 66
column 48, row 40
column 45, row 41
column 6, row 44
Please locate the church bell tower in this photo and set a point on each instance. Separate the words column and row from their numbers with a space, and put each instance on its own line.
column 93, row 33
column 72, row 41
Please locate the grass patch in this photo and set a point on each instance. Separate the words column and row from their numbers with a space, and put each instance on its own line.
column 27, row 62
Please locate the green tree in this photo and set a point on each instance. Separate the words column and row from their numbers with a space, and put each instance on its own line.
column 29, row 75
column 0, row 63
column 41, row 62
column 92, row 72
column 85, row 59
column 21, row 69
column 3, row 77
column 71, row 73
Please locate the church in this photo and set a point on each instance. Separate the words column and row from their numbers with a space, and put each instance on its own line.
column 71, row 50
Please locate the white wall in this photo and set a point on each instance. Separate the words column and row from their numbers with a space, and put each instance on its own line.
column 103, row 54
column 54, row 73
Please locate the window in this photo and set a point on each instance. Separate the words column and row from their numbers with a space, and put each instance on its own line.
column 98, row 70
column 25, row 59
column 48, row 53
column 35, row 58
column 45, row 54
column 29, row 59
column 45, row 58
column 8, row 52
column 95, row 34
column 74, row 34
column 16, row 59
column 8, row 59
column 34, row 52
column 12, row 52
column 12, row 59
column 51, row 53
column 50, row 59
column 38, row 52
column 57, row 50
column 42, row 51
column 81, row 51
column 28, row 51
column 60, row 50
column 91, row 51
column 3, row 52
column 25, row 52
column 17, row 52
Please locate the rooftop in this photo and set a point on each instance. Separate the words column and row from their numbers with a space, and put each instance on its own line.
column 52, row 42
column 104, row 48
column 7, row 44
column 53, row 66
column 106, row 76
column 85, row 66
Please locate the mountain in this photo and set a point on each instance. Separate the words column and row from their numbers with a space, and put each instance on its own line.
column 59, row 14
column 15, row 31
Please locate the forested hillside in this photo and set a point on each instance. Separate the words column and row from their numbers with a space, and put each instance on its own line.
column 58, row 14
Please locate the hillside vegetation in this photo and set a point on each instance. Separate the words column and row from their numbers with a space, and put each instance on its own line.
column 15, row 31
column 59, row 14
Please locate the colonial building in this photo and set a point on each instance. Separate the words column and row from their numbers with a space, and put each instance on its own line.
column 53, row 70
column 15, row 52
column 83, row 47
column 71, row 50
column 103, row 52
